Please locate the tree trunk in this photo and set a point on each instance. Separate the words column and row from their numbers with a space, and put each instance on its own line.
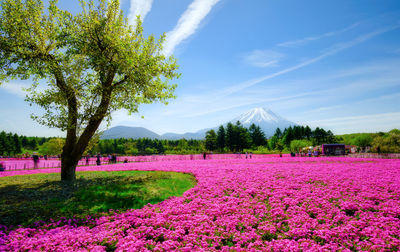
column 69, row 161
column 68, row 167
column 73, row 152
column 74, row 148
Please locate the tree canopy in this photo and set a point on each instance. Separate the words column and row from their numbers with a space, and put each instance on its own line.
column 52, row 147
column 221, row 138
column 211, row 140
column 94, row 63
column 257, row 135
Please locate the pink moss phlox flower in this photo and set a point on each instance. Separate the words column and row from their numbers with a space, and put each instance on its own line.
column 263, row 204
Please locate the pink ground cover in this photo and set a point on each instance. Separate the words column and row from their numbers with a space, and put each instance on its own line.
column 27, row 163
column 279, row 204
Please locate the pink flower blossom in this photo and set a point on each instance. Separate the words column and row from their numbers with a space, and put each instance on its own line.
column 266, row 203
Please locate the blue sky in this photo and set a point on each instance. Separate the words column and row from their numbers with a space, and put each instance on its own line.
column 332, row 64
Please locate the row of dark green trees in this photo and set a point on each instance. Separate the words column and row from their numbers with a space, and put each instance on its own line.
column 13, row 144
column 146, row 146
column 231, row 138
column 235, row 137
column 281, row 140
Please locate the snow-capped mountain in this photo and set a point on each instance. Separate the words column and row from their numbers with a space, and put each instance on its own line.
column 257, row 115
column 265, row 118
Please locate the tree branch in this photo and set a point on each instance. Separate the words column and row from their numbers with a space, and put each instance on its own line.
column 94, row 121
column 97, row 118
column 120, row 82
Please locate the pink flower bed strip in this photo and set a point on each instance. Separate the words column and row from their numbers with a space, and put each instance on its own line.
column 279, row 204
column 27, row 163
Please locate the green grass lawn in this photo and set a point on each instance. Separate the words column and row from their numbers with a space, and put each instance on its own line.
column 31, row 198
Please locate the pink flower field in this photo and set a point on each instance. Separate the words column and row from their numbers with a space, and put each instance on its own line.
column 27, row 163
column 279, row 204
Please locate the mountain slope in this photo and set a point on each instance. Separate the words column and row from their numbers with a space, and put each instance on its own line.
column 129, row 132
column 265, row 118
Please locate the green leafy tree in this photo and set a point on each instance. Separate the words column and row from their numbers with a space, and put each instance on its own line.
column 24, row 142
column 160, row 147
column 3, row 139
column 41, row 140
column 211, row 140
column 280, row 146
column 278, row 133
column 91, row 147
column 257, row 135
column 298, row 132
column 273, row 142
column 52, row 147
column 242, row 137
column 362, row 141
column 115, row 146
column 330, row 137
column 319, row 135
column 393, row 140
column 387, row 143
column 17, row 144
column 130, row 148
column 182, row 144
column 307, row 132
column 94, row 63
column 230, row 137
column 297, row 145
column 32, row 143
column 9, row 144
column 288, row 136
column 221, row 138
column 150, row 151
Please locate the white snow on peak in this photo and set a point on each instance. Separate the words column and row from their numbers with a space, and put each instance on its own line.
column 267, row 120
column 257, row 115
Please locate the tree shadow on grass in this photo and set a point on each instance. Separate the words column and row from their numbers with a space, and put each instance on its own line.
column 25, row 204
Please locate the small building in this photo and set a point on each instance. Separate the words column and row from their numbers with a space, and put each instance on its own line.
column 333, row 149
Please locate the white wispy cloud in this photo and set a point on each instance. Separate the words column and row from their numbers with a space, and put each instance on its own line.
column 15, row 88
column 263, row 58
column 188, row 24
column 303, row 41
column 328, row 52
column 237, row 102
column 373, row 100
column 366, row 123
column 360, row 79
column 139, row 7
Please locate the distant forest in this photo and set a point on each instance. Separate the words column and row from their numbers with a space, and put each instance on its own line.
column 13, row 144
column 230, row 139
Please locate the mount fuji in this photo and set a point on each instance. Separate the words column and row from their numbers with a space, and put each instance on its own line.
column 267, row 120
